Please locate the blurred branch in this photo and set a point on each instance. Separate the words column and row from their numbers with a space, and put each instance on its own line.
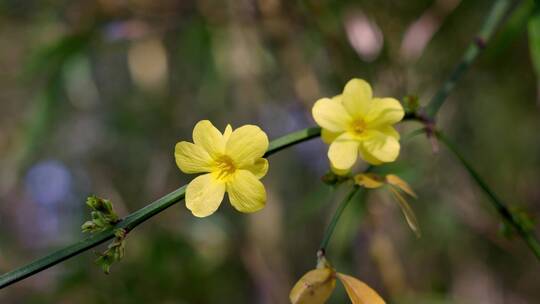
column 136, row 218
column 494, row 18
column 335, row 218
column 504, row 211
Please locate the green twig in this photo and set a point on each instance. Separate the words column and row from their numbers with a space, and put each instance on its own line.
column 503, row 210
column 292, row 139
column 128, row 223
column 494, row 18
column 134, row 219
column 335, row 218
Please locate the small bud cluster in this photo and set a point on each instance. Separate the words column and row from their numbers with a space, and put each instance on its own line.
column 103, row 218
column 103, row 215
column 115, row 251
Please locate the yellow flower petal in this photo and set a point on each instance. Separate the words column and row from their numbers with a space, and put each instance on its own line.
column 315, row 287
column 368, row 157
column 330, row 114
column 358, row 291
column 343, row 152
column 382, row 147
column 337, row 171
column 246, row 192
column 357, row 97
column 258, row 168
column 204, row 195
column 191, row 158
column 246, row 144
column 390, row 131
column 384, row 111
column 208, row 137
column 328, row 136
column 369, row 180
column 227, row 133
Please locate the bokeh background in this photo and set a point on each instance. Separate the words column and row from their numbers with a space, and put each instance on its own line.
column 95, row 94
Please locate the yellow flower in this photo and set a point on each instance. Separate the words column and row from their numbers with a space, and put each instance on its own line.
column 354, row 123
column 232, row 162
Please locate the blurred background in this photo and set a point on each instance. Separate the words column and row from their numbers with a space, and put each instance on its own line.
column 94, row 95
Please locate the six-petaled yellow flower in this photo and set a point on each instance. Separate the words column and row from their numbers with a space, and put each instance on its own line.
column 232, row 162
column 354, row 123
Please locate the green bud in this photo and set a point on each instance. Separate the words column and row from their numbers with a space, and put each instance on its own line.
column 103, row 215
column 411, row 103
column 88, row 226
column 99, row 204
column 115, row 251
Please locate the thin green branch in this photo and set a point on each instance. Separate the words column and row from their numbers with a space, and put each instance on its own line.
column 495, row 16
column 335, row 218
column 504, row 212
column 135, row 219
column 128, row 223
column 292, row 139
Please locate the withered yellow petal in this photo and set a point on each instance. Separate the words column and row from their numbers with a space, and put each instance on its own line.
column 204, row 194
column 331, row 115
column 209, row 137
column 315, row 287
column 358, row 291
column 407, row 211
column 246, row 144
column 383, row 112
column 401, row 184
column 246, row 192
column 369, row 180
column 357, row 96
column 191, row 158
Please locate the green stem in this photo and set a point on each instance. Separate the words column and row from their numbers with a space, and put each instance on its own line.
column 292, row 139
column 504, row 212
column 136, row 218
column 494, row 18
column 335, row 218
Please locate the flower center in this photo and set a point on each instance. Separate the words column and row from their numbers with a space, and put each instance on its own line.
column 224, row 167
column 358, row 126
